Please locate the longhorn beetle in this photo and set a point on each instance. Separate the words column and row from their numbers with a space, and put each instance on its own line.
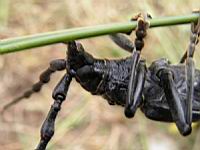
column 164, row 92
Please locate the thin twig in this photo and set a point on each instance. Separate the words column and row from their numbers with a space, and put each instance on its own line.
column 37, row 40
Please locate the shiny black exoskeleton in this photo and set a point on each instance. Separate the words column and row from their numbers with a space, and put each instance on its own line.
column 110, row 79
column 163, row 92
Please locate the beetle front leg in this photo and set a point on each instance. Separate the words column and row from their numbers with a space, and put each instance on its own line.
column 174, row 101
column 135, row 91
column 135, row 83
column 122, row 41
column 59, row 95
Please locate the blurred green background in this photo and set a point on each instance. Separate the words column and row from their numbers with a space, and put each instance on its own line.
column 85, row 122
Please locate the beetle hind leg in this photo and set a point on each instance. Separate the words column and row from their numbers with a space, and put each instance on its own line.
column 177, row 109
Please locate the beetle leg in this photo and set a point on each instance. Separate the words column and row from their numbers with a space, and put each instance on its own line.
column 131, row 102
column 190, row 70
column 122, row 41
column 59, row 95
column 195, row 28
column 55, row 65
column 174, row 101
column 183, row 58
column 135, row 90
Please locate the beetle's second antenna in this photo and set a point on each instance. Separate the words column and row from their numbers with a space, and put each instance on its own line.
column 55, row 65
column 138, row 70
column 59, row 95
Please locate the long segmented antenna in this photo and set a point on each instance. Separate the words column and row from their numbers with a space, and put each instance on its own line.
column 55, row 65
column 59, row 95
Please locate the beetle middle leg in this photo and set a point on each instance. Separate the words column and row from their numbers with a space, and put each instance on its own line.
column 190, row 69
column 173, row 100
column 181, row 112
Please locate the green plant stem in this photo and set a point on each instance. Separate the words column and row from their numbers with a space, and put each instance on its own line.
column 37, row 40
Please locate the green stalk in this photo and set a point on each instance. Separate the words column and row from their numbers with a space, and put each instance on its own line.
column 37, row 40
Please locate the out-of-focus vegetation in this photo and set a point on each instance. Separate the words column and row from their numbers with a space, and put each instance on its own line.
column 85, row 122
column 3, row 12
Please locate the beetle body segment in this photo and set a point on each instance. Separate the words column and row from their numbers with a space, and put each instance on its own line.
column 110, row 79
column 155, row 104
